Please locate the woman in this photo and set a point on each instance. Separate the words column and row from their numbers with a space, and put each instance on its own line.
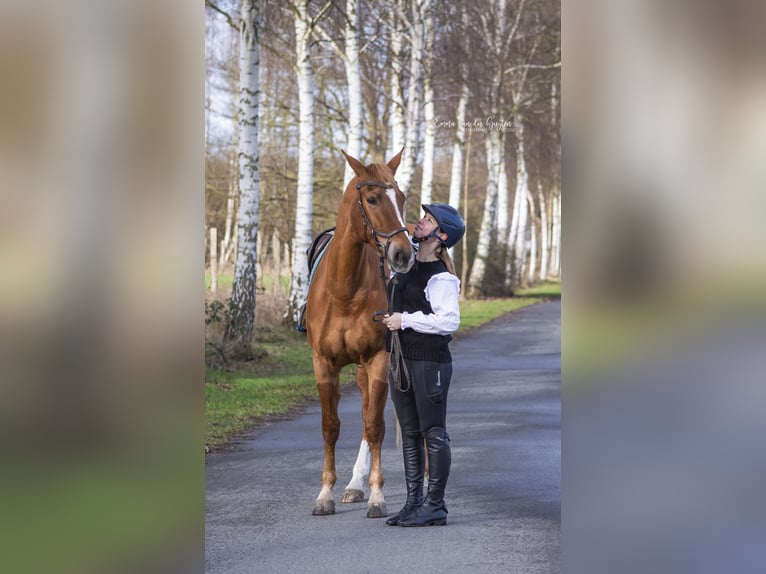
column 425, row 312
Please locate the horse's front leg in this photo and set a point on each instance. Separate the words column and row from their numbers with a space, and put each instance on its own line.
column 328, row 387
column 375, row 429
column 354, row 491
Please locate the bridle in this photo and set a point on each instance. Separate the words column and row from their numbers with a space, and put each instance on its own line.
column 398, row 366
column 374, row 233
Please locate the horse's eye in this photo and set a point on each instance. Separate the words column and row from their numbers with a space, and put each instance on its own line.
column 372, row 200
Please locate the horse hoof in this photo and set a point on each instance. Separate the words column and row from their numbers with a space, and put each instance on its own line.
column 353, row 495
column 376, row 511
column 324, row 508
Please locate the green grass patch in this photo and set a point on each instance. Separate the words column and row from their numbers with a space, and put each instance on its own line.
column 281, row 381
column 224, row 282
column 477, row 312
column 547, row 289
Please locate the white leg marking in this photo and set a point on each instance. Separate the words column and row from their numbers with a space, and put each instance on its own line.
column 361, row 468
column 325, row 493
column 376, row 497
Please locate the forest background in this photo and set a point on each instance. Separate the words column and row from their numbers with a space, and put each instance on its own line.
column 470, row 90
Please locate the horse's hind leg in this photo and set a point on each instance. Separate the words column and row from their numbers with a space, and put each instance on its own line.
column 328, row 387
column 354, row 490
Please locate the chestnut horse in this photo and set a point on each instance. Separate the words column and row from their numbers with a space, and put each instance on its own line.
column 347, row 288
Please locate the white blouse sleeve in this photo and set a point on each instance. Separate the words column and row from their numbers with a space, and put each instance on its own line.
column 442, row 292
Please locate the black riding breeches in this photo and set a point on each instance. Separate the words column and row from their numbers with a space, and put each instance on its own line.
column 424, row 404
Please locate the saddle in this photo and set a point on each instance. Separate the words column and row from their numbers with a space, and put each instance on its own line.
column 314, row 255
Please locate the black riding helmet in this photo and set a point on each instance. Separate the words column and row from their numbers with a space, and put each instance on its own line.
column 450, row 222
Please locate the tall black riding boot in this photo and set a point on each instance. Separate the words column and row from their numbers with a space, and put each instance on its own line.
column 414, row 463
column 434, row 511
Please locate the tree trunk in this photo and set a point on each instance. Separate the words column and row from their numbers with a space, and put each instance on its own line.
column 545, row 232
column 305, row 190
column 464, row 272
column 354, row 80
column 502, row 194
column 426, row 186
column 489, row 217
column 406, row 172
column 532, row 240
column 226, row 243
column 555, row 266
column 242, row 304
column 516, row 262
column 458, row 147
column 456, row 176
column 397, row 78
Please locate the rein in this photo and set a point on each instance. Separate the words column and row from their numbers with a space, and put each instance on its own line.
column 397, row 361
column 374, row 233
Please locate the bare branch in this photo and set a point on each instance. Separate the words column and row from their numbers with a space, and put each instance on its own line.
column 225, row 14
column 532, row 67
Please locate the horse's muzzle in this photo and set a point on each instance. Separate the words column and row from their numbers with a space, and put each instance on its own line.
column 401, row 257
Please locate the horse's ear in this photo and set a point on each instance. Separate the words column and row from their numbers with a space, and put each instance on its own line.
column 393, row 163
column 355, row 164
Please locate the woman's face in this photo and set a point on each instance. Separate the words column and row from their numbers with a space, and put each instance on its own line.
column 426, row 225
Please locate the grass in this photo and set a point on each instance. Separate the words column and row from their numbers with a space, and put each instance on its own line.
column 281, row 381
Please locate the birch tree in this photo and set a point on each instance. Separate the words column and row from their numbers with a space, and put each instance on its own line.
column 305, row 190
column 396, row 18
column 499, row 37
column 427, row 181
column 554, row 266
column 349, row 53
column 354, row 81
column 242, row 304
column 532, row 239
column 545, row 231
column 458, row 146
column 304, row 29
column 516, row 272
column 554, row 270
column 514, row 269
column 407, row 26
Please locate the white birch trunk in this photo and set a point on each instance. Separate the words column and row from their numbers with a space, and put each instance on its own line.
column 458, row 149
column 230, row 202
column 515, row 264
column 488, row 219
column 502, row 194
column 531, row 272
column 242, row 306
column 397, row 78
column 354, row 80
column 406, row 172
column 555, row 266
column 305, row 189
column 426, row 186
column 545, row 232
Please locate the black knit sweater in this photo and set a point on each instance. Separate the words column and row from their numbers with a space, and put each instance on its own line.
column 407, row 293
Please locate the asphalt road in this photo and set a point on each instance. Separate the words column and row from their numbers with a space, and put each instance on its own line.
column 503, row 494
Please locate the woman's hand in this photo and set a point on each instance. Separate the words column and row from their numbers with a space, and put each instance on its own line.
column 393, row 321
